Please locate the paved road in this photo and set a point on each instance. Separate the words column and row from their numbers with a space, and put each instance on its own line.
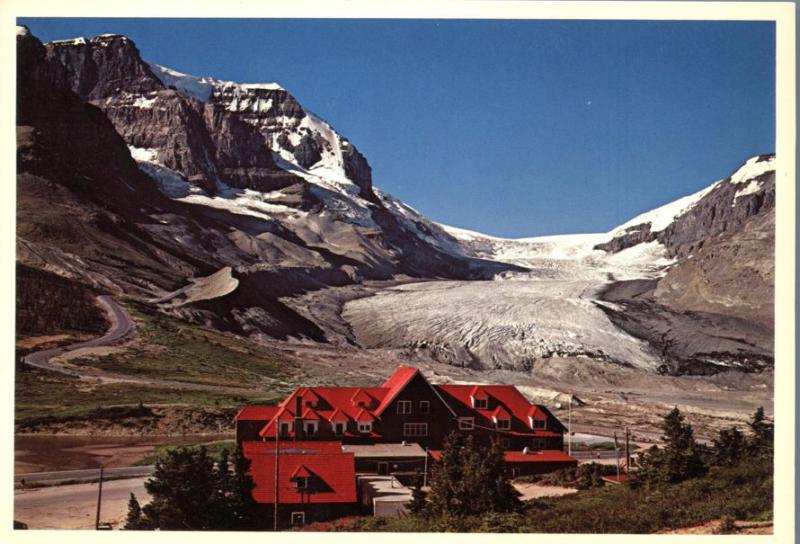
column 74, row 506
column 83, row 475
column 121, row 326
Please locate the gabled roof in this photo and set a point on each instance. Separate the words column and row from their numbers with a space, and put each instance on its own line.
column 311, row 415
column 334, row 471
column 361, row 396
column 256, row 413
column 338, row 415
column 363, row 416
column 395, row 384
column 478, row 392
column 501, row 413
column 507, row 396
column 301, row 472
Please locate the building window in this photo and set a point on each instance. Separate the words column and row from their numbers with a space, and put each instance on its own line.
column 404, row 407
column 365, row 427
column 503, row 424
column 424, row 407
column 480, row 404
column 286, row 428
column 338, row 428
column 539, row 423
column 466, row 423
column 301, row 483
column 298, row 518
column 310, row 428
column 415, row 429
column 505, row 442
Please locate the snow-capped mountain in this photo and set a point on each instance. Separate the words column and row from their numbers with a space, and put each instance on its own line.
column 166, row 181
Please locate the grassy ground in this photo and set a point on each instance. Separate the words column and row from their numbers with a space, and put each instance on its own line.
column 214, row 450
column 174, row 350
column 42, row 396
column 743, row 492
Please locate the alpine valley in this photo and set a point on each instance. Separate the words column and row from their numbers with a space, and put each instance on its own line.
column 230, row 209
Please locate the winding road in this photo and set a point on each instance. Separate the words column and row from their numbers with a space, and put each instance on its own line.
column 121, row 326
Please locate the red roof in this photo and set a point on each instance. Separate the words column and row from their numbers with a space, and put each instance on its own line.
column 501, row 413
column 510, row 400
column 338, row 415
column 301, row 472
column 395, row 384
column 256, row 413
column 363, row 415
column 311, row 415
column 615, row 479
column 478, row 393
column 332, row 476
column 539, row 456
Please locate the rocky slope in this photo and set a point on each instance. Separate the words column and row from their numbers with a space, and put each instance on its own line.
column 149, row 180
column 231, row 205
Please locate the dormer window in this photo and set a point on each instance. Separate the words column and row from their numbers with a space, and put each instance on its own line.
column 310, row 428
column 480, row 404
column 338, row 429
column 538, row 423
column 301, row 482
column 503, row 424
column 365, row 427
column 286, row 428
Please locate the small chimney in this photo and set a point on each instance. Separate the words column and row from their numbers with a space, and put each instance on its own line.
column 298, row 420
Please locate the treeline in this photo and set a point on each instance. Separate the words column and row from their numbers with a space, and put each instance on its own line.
column 48, row 304
column 680, row 484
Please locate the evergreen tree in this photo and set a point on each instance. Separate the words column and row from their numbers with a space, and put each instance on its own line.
column 419, row 501
column 184, row 491
column 470, row 480
column 242, row 505
column 134, row 520
column 680, row 458
column 729, row 447
column 762, row 439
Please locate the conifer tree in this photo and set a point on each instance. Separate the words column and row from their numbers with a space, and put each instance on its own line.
column 134, row 519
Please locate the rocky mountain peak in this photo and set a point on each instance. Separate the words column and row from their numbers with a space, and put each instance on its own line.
column 104, row 66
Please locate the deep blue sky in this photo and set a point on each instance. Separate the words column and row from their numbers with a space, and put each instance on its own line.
column 512, row 128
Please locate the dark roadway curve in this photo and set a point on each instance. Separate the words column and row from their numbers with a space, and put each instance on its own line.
column 121, row 326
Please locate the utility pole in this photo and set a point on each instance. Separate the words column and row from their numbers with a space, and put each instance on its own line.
column 569, row 426
column 277, row 453
column 616, row 453
column 425, row 471
column 627, row 451
column 99, row 499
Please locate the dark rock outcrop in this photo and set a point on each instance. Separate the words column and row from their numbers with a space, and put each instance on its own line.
column 720, row 210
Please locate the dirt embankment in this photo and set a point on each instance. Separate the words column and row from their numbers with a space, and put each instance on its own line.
column 151, row 420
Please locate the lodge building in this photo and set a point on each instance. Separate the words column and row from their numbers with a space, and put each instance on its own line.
column 331, row 435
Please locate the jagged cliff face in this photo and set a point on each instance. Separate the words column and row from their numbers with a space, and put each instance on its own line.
column 254, row 151
column 137, row 181
column 683, row 227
